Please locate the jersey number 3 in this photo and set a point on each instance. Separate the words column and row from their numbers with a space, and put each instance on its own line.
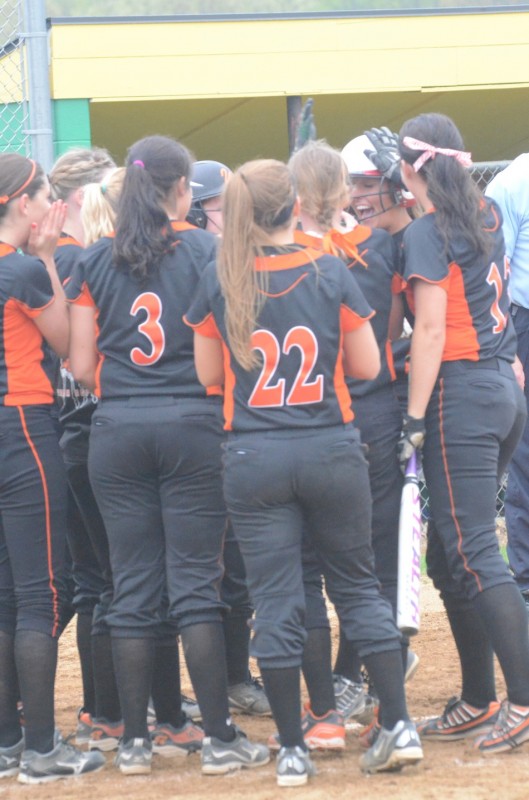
column 268, row 394
column 151, row 304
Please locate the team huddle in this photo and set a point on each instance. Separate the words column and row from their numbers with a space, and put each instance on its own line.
column 208, row 407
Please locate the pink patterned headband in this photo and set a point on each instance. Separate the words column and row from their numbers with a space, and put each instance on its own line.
column 465, row 159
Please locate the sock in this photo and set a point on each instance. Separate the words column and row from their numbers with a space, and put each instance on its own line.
column 84, row 647
column 106, row 691
column 237, row 643
column 10, row 730
column 284, row 695
column 133, row 664
column 475, row 655
column 206, row 662
column 166, row 683
column 503, row 613
column 385, row 670
column 36, row 662
column 317, row 670
column 347, row 663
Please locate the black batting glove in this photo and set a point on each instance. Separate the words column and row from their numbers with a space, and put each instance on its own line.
column 386, row 157
column 411, row 438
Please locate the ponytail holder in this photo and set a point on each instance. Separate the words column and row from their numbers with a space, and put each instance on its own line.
column 103, row 187
column 138, row 163
column 4, row 199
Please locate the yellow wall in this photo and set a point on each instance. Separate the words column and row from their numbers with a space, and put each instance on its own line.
column 278, row 57
column 221, row 86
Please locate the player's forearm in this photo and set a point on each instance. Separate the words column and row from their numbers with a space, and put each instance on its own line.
column 427, row 345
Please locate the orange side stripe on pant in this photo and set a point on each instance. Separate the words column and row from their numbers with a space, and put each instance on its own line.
column 450, row 493
column 53, row 588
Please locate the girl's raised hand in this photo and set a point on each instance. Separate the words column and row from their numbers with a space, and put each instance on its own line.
column 43, row 238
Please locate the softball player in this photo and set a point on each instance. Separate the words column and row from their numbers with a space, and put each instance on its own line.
column 87, row 540
column 33, row 496
column 154, row 458
column 466, row 406
column 321, row 180
column 245, row 693
column 277, row 330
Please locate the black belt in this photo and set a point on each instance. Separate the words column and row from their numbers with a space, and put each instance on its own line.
column 463, row 364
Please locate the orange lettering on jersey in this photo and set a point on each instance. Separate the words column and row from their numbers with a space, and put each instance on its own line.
column 303, row 391
column 494, row 279
column 150, row 328
column 264, row 394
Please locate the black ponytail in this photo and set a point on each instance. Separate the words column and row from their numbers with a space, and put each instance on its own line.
column 143, row 230
column 455, row 196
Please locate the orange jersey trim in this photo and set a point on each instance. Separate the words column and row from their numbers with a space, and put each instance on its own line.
column 341, row 390
column 27, row 383
column 398, row 284
column 84, row 298
column 182, row 226
column 51, row 583
column 349, row 321
column 229, row 388
column 66, row 239
column 334, row 242
column 206, row 327
column 287, row 260
column 389, row 360
column 6, row 249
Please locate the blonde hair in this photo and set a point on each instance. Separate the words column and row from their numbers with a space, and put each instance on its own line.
column 100, row 205
column 78, row 167
column 258, row 201
column 321, row 180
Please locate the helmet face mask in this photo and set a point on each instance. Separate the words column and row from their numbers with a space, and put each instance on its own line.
column 372, row 196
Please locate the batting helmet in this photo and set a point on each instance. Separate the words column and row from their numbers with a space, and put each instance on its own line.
column 208, row 179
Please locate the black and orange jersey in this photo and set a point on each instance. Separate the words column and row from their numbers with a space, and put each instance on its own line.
column 369, row 254
column 312, row 300
column 478, row 325
column 25, row 291
column 145, row 348
column 66, row 254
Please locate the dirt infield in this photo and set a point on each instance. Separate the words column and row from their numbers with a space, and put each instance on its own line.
column 451, row 771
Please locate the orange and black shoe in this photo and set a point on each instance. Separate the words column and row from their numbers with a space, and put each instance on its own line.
column 510, row 730
column 169, row 741
column 367, row 736
column 319, row 733
column 85, row 724
column 459, row 720
column 105, row 735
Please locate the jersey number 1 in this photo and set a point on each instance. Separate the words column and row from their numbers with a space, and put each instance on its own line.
column 267, row 394
column 150, row 328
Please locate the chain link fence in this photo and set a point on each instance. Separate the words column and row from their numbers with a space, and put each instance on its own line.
column 14, row 109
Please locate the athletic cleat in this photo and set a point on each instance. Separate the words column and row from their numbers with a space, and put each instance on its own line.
column 191, row 708
column 319, row 733
column 219, row 757
column 64, row 761
column 510, row 730
column 84, row 727
column 168, row 741
column 294, row 767
column 10, row 759
column 393, row 750
column 369, row 712
column 249, row 697
column 105, row 735
column 412, row 662
column 460, row 720
column 368, row 735
column 350, row 697
column 134, row 757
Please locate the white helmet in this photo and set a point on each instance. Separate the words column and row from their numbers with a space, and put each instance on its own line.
column 356, row 159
